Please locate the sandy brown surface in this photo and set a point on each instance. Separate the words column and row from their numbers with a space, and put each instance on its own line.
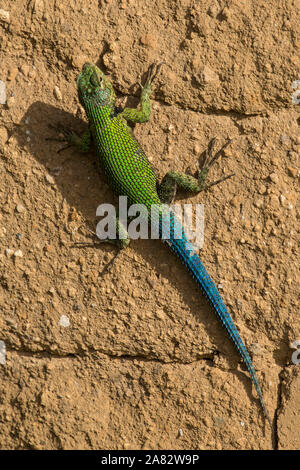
column 144, row 363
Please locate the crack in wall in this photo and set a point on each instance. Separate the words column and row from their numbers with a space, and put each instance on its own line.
column 143, row 358
column 46, row 353
column 279, row 404
column 26, row 36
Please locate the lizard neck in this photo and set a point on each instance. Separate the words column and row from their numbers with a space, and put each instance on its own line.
column 99, row 113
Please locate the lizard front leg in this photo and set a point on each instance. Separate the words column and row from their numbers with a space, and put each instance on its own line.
column 143, row 114
column 81, row 142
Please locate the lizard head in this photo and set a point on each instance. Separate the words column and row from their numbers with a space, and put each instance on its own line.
column 94, row 88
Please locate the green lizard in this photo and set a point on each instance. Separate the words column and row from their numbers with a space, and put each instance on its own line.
column 129, row 173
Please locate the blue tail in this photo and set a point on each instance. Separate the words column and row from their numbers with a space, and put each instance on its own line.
column 183, row 249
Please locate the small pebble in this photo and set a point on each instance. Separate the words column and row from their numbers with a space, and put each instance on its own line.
column 209, row 75
column 18, row 254
column 274, row 177
column 2, row 353
column 257, row 228
column 292, row 171
column 180, row 432
column 64, row 321
column 256, row 349
column 160, row 314
column 149, row 40
column 57, row 93
column 71, row 292
column 10, row 102
column 285, row 139
column 297, row 140
column 19, row 236
column 295, row 84
column 262, row 189
column 3, row 135
column 20, row 208
column 50, row 179
column 38, row 6
column 25, row 69
column 236, row 201
column 4, row 16
column 213, row 10
column 2, row 92
column 12, row 73
column 259, row 203
column 197, row 149
column 282, row 199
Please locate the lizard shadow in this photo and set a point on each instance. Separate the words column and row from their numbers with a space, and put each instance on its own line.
column 80, row 184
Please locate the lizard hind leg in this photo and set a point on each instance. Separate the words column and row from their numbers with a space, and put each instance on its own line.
column 209, row 160
column 166, row 190
column 173, row 179
column 120, row 241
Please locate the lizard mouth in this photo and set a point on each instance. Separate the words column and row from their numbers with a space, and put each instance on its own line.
column 87, row 70
column 85, row 74
column 87, row 66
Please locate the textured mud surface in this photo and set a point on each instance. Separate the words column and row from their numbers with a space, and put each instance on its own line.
column 134, row 357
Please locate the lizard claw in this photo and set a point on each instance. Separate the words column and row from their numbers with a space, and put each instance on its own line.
column 67, row 136
column 60, row 129
column 209, row 160
column 153, row 72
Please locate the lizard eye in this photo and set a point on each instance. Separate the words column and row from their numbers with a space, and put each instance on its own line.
column 95, row 79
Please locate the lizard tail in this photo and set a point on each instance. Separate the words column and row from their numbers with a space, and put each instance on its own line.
column 183, row 249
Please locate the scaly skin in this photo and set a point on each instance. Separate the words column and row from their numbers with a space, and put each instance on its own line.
column 129, row 173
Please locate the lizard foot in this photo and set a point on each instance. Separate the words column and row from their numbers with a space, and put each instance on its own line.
column 67, row 135
column 152, row 73
column 119, row 243
column 209, row 160
column 71, row 138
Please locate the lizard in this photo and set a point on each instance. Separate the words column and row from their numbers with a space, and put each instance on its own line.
column 130, row 173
